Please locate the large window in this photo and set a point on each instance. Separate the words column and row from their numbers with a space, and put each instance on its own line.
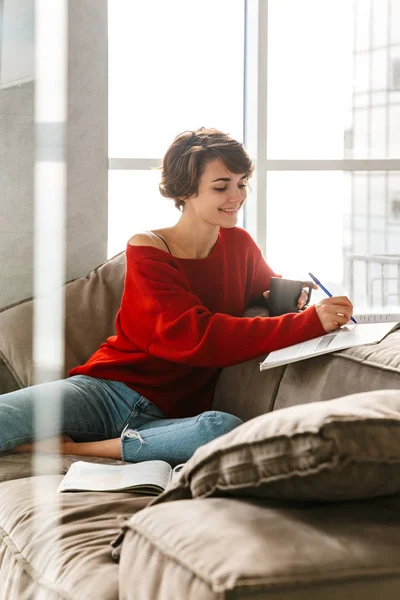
column 312, row 87
column 173, row 65
column 309, row 78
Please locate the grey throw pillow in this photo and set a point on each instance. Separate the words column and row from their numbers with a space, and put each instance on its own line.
column 342, row 449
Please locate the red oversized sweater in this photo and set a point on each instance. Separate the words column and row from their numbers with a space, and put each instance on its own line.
column 180, row 321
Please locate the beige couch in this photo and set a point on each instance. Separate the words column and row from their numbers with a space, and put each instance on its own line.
column 58, row 546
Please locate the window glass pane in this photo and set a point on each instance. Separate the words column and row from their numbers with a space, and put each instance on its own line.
column 305, row 224
column 377, row 205
column 380, row 23
column 394, row 201
column 360, row 132
column 362, row 24
column 361, row 72
column 310, row 79
column 379, row 71
column 135, row 204
column 394, row 83
column 314, row 96
column 378, row 118
column 318, row 221
column 394, row 131
column 359, row 195
column 394, row 74
column 173, row 65
column 361, row 100
column 395, row 21
column 17, row 41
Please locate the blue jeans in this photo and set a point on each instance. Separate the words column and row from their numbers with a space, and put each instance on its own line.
column 92, row 409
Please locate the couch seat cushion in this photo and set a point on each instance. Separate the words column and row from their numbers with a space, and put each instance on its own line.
column 217, row 548
column 15, row 466
column 342, row 449
column 68, row 555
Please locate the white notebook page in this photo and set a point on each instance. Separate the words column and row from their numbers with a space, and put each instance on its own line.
column 101, row 477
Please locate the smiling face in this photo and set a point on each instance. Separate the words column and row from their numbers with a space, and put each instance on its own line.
column 220, row 195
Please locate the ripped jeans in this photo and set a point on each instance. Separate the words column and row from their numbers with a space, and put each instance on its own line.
column 92, row 409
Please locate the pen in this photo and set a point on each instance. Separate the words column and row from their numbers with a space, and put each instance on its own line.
column 326, row 291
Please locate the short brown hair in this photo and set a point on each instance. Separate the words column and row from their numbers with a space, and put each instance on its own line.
column 185, row 159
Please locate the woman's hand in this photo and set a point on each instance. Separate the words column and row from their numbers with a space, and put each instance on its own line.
column 334, row 312
column 302, row 298
column 301, row 303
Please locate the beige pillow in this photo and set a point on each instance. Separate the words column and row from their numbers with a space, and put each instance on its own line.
column 91, row 304
column 342, row 449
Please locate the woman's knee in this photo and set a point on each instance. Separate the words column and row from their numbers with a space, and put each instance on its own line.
column 219, row 422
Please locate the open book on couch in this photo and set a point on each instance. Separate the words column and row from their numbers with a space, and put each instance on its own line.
column 149, row 477
column 371, row 328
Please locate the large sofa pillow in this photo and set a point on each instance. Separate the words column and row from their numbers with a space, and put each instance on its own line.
column 242, row 389
column 249, row 549
column 91, row 304
column 342, row 449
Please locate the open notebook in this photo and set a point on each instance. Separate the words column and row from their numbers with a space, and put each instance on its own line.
column 149, row 478
column 371, row 328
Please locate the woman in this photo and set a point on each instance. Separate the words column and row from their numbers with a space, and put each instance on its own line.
column 146, row 393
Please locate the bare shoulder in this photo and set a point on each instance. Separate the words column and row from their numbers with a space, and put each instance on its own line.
column 141, row 239
column 144, row 238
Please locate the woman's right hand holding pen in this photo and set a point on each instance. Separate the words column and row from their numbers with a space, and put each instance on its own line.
column 334, row 312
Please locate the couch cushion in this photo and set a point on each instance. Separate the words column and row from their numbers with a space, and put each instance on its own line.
column 16, row 466
column 8, row 383
column 91, row 304
column 243, row 389
column 228, row 548
column 361, row 369
column 340, row 449
column 57, row 546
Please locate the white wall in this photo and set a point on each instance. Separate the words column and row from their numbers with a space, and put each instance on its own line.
column 87, row 159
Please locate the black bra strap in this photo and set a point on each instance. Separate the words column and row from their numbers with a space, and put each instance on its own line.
column 162, row 239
